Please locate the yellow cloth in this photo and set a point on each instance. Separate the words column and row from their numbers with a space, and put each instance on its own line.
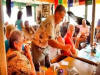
column 65, row 3
column 97, row 1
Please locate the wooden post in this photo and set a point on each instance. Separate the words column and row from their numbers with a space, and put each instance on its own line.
column 86, row 8
column 3, row 65
column 93, row 20
column 35, row 13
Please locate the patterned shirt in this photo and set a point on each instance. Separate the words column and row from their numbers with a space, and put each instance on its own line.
column 18, row 64
column 46, row 31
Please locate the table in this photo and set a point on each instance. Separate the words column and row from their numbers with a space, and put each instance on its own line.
column 82, row 67
column 86, row 53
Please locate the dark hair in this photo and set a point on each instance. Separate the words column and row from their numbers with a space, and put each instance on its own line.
column 60, row 8
column 14, row 37
column 19, row 15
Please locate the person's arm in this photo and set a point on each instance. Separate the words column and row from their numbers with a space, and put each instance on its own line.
column 56, row 44
column 87, row 32
column 33, row 30
column 68, row 40
column 60, row 40
column 28, row 54
column 78, row 41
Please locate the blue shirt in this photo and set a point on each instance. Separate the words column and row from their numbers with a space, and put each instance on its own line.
column 6, row 45
column 18, row 23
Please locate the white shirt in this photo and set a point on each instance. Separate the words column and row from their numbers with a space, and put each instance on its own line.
column 83, row 30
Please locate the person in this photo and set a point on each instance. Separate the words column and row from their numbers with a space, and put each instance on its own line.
column 18, row 61
column 19, row 22
column 5, row 24
column 69, row 38
column 98, row 36
column 48, row 34
column 28, row 31
column 9, row 28
column 83, row 32
column 84, row 29
column 98, row 31
column 77, row 19
column 63, row 28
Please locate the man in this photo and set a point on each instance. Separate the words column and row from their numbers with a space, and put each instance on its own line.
column 48, row 35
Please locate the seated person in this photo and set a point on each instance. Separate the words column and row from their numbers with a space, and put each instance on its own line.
column 83, row 33
column 98, row 36
column 84, row 29
column 19, row 62
column 69, row 38
column 9, row 28
column 28, row 31
column 68, row 41
column 98, row 31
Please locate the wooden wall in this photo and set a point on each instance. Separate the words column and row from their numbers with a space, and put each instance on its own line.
column 3, row 65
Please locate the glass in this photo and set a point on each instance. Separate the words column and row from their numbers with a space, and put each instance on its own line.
column 72, row 71
column 37, row 66
column 43, row 70
column 60, row 72
column 47, row 61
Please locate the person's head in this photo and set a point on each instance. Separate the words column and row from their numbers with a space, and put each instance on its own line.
column 98, row 23
column 71, row 29
column 16, row 40
column 26, row 24
column 9, row 28
column 59, row 14
column 6, row 23
column 84, row 23
column 19, row 15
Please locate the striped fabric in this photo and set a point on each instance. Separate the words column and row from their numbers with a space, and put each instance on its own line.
column 97, row 1
column 75, row 2
column 60, row 1
column 81, row 2
column 65, row 3
column 50, row 1
column 56, row 3
column 89, row 2
column 70, row 3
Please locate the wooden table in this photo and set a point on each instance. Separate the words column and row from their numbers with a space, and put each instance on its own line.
column 86, row 53
column 82, row 67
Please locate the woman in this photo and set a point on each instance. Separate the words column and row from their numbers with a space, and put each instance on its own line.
column 19, row 23
column 19, row 62
column 69, row 40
